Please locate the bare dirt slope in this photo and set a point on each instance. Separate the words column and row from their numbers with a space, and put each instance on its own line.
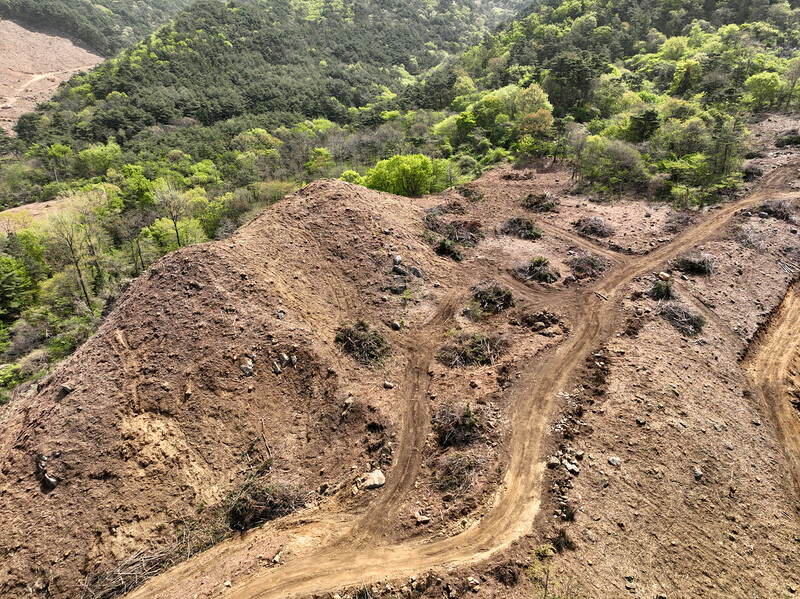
column 655, row 452
column 32, row 65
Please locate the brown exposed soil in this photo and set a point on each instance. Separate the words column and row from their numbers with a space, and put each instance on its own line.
column 32, row 65
column 662, row 457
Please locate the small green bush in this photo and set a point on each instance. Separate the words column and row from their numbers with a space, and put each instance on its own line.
column 522, row 228
column 540, row 202
column 445, row 247
column 364, row 343
column 538, row 269
column 661, row 290
column 492, row 298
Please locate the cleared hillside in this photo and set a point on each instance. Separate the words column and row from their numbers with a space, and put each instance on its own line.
column 32, row 65
column 219, row 367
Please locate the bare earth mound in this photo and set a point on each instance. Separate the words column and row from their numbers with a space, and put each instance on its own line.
column 32, row 65
column 517, row 398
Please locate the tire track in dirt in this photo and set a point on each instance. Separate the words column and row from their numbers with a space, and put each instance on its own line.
column 774, row 369
column 535, row 399
column 414, row 391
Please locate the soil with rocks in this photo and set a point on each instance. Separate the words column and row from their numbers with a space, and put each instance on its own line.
column 560, row 435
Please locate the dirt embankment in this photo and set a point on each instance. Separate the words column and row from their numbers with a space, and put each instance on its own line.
column 32, row 65
column 647, row 446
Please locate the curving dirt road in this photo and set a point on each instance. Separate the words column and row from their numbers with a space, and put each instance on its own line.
column 361, row 555
column 774, row 369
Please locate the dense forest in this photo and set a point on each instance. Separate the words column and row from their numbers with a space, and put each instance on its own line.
column 185, row 135
column 105, row 26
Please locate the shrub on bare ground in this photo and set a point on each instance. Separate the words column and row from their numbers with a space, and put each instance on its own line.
column 456, row 473
column 661, row 290
column 472, row 350
column 687, row 322
column 587, row 264
column 538, row 269
column 258, row 502
column 540, row 202
column 677, row 221
column 522, row 228
column 490, row 298
column 750, row 238
column 594, row 226
column 702, row 264
column 363, row 342
column 780, row 209
column 455, row 426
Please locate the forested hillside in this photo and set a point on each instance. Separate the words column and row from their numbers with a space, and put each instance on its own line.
column 185, row 135
column 105, row 26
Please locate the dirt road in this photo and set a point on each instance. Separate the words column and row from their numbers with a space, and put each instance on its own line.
column 774, row 368
column 361, row 554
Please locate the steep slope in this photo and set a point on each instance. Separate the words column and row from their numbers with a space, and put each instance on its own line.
column 33, row 66
column 162, row 419
column 284, row 60
column 683, row 485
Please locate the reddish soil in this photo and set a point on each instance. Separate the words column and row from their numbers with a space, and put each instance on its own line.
column 702, row 501
column 32, row 65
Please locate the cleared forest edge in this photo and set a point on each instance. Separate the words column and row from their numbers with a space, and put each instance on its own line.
column 596, row 315
column 32, row 66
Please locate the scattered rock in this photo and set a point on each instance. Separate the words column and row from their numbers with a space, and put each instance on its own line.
column 388, row 385
column 698, row 473
column 398, row 260
column 641, row 421
column 416, row 272
column 664, row 276
column 474, row 584
column 399, row 270
column 375, row 480
column 276, row 368
column 572, row 468
column 614, row 461
column 228, row 583
column 247, row 367
column 421, row 518
column 396, row 326
column 553, row 462
column 284, row 359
